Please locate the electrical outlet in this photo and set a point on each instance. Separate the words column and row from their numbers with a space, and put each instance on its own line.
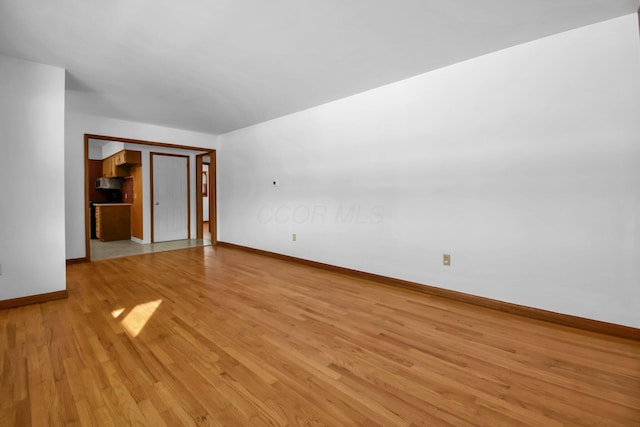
column 276, row 182
column 294, row 237
column 446, row 260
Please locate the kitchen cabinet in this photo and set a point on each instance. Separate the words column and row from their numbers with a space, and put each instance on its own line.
column 113, row 221
column 118, row 164
column 109, row 169
column 127, row 158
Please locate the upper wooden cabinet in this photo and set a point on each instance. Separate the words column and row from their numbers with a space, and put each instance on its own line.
column 118, row 164
column 109, row 169
column 128, row 157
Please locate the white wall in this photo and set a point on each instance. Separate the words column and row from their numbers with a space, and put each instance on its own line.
column 524, row 165
column 95, row 152
column 76, row 125
column 110, row 148
column 32, row 213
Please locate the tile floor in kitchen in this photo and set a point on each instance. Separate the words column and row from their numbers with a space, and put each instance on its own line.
column 122, row 248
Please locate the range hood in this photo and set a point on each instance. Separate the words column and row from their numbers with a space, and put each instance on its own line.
column 109, row 183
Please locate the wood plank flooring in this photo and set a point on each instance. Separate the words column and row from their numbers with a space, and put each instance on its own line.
column 218, row 336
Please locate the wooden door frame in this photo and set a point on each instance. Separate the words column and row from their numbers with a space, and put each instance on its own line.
column 151, row 154
column 87, row 210
column 211, row 176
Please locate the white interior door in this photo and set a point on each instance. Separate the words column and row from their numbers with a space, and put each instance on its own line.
column 170, row 197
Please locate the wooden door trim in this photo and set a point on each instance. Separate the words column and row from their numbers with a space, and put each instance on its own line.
column 87, row 209
column 151, row 154
column 143, row 142
column 199, row 210
column 213, row 198
column 211, row 176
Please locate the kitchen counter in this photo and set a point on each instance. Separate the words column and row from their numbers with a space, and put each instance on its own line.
column 113, row 221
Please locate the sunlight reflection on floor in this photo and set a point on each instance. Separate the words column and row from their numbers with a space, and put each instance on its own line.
column 138, row 317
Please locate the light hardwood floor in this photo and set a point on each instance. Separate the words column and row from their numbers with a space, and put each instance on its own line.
column 219, row 336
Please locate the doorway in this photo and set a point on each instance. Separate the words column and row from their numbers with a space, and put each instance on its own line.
column 206, row 227
column 93, row 144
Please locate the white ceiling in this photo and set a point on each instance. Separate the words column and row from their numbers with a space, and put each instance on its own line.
column 219, row 65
